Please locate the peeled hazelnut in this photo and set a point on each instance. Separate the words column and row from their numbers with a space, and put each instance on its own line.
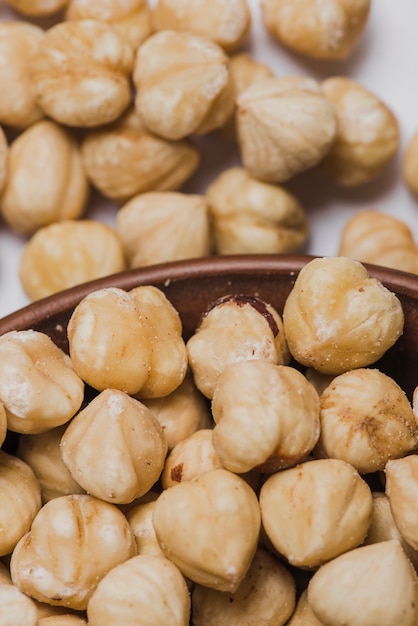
column 267, row 596
column 162, row 226
column 374, row 237
column 124, row 159
column 410, row 164
column 20, row 497
column 16, row 607
column 266, row 416
column 337, row 317
column 38, row 385
column 227, row 22
column 367, row 133
column 182, row 84
column 402, row 490
column 340, row 592
column 321, row 30
column 284, row 127
column 209, row 528
column 132, row 448
column 130, row 18
column 18, row 41
column 249, row 216
column 37, row 8
column 61, row 620
column 235, row 328
column 3, row 424
column 315, row 511
column 366, row 419
column 303, row 614
column 81, row 71
column 45, row 180
column 68, row 253
column 73, row 542
column 4, row 156
column 148, row 586
column 140, row 521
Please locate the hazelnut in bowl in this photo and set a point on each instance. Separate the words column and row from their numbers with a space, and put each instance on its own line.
column 213, row 441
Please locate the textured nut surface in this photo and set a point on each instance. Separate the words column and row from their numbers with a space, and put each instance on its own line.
column 225, row 22
column 20, row 497
column 73, row 542
column 284, row 127
column 18, row 41
column 148, row 586
column 81, row 70
column 367, row 136
column 337, row 317
column 37, row 8
column 235, row 328
column 4, row 156
column 182, row 84
column 16, row 608
column 250, row 216
column 340, row 590
column 3, row 424
column 322, row 30
column 125, row 159
column 209, row 528
column 402, row 489
column 410, row 164
column 132, row 448
column 45, row 180
column 38, row 385
column 162, row 226
column 303, row 614
column 265, row 596
column 316, row 511
column 61, row 620
column 139, row 517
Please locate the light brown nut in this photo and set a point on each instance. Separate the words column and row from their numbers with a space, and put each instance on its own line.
column 124, row 159
column 132, row 448
column 68, row 253
column 130, row 18
column 410, row 164
column 42, row 453
column 73, row 542
column 182, row 84
column 16, row 608
column 81, row 71
column 235, row 328
column 61, row 620
column 182, row 412
column 267, row 417
column 45, row 181
column 20, row 497
column 316, row 511
column 367, row 133
column 148, row 586
column 366, row 419
column 266, row 596
column 337, row 317
column 37, row 8
column 341, row 593
column 38, row 385
column 284, row 127
column 303, row 614
column 4, row 157
column 162, row 226
column 402, row 489
column 249, row 216
column 18, row 41
column 321, row 30
column 371, row 236
column 209, row 528
column 225, row 22
column 140, row 521
column 3, row 424
column 190, row 458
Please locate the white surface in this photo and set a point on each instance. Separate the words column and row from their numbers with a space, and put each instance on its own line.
column 385, row 62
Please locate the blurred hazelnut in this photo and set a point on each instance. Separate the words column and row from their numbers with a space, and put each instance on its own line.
column 16, row 607
column 4, row 155
column 45, row 180
column 124, row 159
column 162, row 226
column 249, row 216
column 182, row 84
column 402, row 491
column 284, row 127
column 410, row 164
column 303, row 614
column 3, row 424
column 321, row 30
column 367, row 133
column 140, row 521
column 61, row 620
column 81, row 72
column 37, row 8
column 337, row 317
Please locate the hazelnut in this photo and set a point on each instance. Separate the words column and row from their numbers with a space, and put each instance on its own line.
column 61, row 620
column 367, row 133
column 402, row 489
column 45, row 180
column 337, row 317
column 16, row 608
column 4, row 156
column 303, row 614
column 81, row 71
column 161, row 226
column 250, row 216
column 410, row 164
column 182, row 84
column 37, row 8
column 3, row 424
column 139, row 517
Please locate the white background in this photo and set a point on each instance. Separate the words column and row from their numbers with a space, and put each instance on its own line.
column 386, row 62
